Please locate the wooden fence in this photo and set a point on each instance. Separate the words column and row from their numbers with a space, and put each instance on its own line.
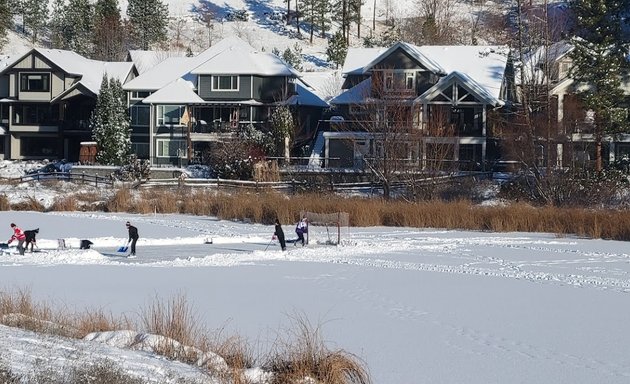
column 95, row 180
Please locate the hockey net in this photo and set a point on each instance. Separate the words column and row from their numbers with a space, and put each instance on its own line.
column 326, row 228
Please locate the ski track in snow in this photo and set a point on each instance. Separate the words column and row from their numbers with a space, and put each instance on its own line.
column 465, row 254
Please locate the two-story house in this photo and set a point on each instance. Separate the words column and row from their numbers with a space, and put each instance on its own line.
column 436, row 99
column 183, row 104
column 46, row 99
column 571, row 140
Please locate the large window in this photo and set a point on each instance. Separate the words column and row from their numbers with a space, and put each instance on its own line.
column 169, row 114
column 225, row 83
column 139, row 115
column 35, row 114
column 171, row 148
column 39, row 146
column 34, row 82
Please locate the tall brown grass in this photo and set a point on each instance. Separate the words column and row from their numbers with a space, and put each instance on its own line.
column 302, row 356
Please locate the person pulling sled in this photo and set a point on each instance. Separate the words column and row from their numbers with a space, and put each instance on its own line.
column 300, row 229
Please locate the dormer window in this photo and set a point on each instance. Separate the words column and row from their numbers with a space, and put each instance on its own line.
column 34, row 82
column 225, row 83
column 410, row 80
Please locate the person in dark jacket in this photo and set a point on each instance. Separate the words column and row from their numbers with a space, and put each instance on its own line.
column 279, row 233
column 133, row 237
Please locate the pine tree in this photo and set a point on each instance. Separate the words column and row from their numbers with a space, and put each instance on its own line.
column 34, row 16
column 322, row 16
column 148, row 19
column 78, row 26
column 599, row 59
column 6, row 21
column 107, row 32
column 293, row 57
column 337, row 49
column 56, row 24
column 110, row 124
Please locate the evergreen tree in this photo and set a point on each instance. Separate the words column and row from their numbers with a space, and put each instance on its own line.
column 108, row 32
column 337, row 49
column 110, row 124
column 78, row 27
column 6, row 21
column 56, row 24
column 599, row 59
column 148, row 19
column 293, row 57
column 322, row 16
column 309, row 9
column 34, row 17
column 282, row 127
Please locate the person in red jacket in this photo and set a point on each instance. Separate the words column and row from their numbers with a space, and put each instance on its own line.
column 18, row 235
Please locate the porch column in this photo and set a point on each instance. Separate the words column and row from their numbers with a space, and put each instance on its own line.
column 560, row 113
column 326, row 151
column 611, row 152
column 483, row 120
column 559, row 154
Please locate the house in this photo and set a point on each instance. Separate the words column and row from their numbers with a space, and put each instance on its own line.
column 46, row 98
column 571, row 142
column 184, row 104
column 430, row 104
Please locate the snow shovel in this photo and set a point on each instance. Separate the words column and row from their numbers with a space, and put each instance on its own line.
column 4, row 246
column 124, row 248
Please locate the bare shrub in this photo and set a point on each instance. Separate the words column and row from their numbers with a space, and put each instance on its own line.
column 65, row 204
column 4, row 203
column 122, row 201
column 99, row 321
column 304, row 357
column 30, row 204
column 175, row 321
column 101, row 372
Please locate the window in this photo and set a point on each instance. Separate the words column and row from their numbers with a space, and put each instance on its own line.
column 171, row 148
column 39, row 146
column 169, row 114
column 410, row 80
column 34, row 82
column 139, row 95
column 225, row 83
column 35, row 114
column 141, row 150
column 139, row 115
column 389, row 80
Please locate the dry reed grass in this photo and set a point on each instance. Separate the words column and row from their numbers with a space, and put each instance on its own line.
column 303, row 357
column 65, row 203
column 30, row 204
column 4, row 203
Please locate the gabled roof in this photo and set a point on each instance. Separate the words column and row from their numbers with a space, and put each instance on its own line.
column 532, row 67
column 358, row 58
column 179, row 91
column 354, row 95
column 412, row 51
column 225, row 56
column 466, row 82
column 89, row 71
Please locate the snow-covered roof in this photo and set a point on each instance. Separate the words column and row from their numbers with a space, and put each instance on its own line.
column 228, row 56
column 484, row 65
column 145, row 60
column 355, row 94
column 357, row 58
column 413, row 51
column 242, row 60
column 179, row 91
column 91, row 72
column 306, row 96
column 532, row 69
column 464, row 80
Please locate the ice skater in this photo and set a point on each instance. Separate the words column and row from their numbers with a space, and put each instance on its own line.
column 301, row 228
column 279, row 233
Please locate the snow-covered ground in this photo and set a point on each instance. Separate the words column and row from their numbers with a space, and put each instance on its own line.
column 418, row 305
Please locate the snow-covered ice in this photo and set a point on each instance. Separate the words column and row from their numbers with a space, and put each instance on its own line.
column 419, row 306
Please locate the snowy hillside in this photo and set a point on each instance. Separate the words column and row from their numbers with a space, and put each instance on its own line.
column 265, row 31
